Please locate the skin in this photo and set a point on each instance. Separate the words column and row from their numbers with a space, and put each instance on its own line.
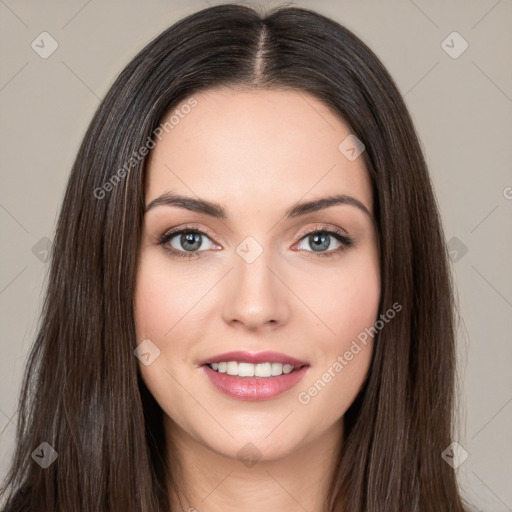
column 257, row 153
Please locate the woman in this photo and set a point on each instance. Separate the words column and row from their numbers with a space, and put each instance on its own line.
column 301, row 355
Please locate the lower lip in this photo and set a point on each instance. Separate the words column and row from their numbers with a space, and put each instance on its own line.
column 254, row 388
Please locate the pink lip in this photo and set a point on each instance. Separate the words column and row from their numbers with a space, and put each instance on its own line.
column 249, row 357
column 253, row 388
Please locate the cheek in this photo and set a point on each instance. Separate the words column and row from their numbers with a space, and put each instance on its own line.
column 343, row 297
column 153, row 307
column 167, row 311
column 162, row 301
column 356, row 302
column 164, row 298
column 346, row 301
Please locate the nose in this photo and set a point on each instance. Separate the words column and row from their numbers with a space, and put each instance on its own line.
column 255, row 294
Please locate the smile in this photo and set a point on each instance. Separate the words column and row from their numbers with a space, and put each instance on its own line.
column 253, row 388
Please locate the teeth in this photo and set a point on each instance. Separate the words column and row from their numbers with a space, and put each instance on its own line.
column 277, row 369
column 252, row 370
column 232, row 368
column 246, row 370
column 287, row 368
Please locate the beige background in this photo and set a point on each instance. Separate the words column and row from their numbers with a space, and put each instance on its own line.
column 462, row 108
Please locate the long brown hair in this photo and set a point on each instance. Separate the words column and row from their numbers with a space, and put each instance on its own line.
column 82, row 392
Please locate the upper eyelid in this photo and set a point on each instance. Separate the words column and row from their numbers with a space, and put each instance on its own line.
column 177, row 231
column 322, row 227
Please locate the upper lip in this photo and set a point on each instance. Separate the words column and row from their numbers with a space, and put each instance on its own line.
column 254, row 358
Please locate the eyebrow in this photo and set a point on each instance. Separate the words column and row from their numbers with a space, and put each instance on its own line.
column 218, row 211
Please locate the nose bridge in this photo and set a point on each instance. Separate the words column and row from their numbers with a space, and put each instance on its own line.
column 256, row 296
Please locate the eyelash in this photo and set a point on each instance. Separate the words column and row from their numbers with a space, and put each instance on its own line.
column 346, row 242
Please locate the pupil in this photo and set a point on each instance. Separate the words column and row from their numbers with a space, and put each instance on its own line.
column 191, row 238
column 319, row 241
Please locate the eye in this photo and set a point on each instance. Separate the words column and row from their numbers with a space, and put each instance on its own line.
column 186, row 242
column 320, row 240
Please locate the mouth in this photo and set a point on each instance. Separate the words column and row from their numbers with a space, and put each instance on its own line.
column 248, row 376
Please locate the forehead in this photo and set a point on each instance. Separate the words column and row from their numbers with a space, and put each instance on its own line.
column 244, row 148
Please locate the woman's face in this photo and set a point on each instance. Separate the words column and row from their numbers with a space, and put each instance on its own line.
column 251, row 278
